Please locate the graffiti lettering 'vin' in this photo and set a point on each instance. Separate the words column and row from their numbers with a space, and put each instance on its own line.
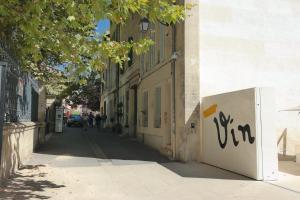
column 246, row 129
column 225, row 122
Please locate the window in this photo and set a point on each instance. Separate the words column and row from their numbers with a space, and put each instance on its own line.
column 121, row 69
column 147, row 61
column 111, row 111
column 157, row 111
column 142, row 57
column 108, row 77
column 145, row 109
column 161, row 42
column 130, row 54
column 120, row 109
column 127, row 107
column 152, row 57
column 105, row 79
column 34, row 105
column 111, row 76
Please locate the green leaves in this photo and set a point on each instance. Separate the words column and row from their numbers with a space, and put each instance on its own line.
column 47, row 34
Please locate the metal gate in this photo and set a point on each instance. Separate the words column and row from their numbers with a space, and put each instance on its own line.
column 18, row 91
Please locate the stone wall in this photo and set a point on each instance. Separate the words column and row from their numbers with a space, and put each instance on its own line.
column 18, row 143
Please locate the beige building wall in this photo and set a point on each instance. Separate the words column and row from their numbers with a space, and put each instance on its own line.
column 188, row 87
column 108, row 99
column 254, row 43
column 108, row 96
column 178, row 139
column 129, row 79
column 222, row 46
column 159, row 138
column 20, row 139
column 17, row 146
column 156, row 74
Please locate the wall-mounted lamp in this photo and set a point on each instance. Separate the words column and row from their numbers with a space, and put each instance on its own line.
column 144, row 24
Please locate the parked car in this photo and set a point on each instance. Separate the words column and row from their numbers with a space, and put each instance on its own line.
column 75, row 120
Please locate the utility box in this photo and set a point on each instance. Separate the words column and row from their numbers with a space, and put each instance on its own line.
column 59, row 120
column 239, row 132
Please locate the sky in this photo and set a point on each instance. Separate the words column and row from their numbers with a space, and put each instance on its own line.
column 102, row 26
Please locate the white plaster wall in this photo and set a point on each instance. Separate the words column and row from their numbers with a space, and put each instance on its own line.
column 253, row 43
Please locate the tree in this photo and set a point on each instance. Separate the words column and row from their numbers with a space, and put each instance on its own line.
column 87, row 94
column 56, row 39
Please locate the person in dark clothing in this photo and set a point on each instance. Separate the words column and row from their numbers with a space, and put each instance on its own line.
column 98, row 121
column 91, row 119
column 85, row 120
column 103, row 120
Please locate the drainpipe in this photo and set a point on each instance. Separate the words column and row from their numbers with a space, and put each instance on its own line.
column 173, row 65
column 118, row 88
column 118, row 78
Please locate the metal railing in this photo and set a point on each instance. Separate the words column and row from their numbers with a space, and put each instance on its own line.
column 21, row 91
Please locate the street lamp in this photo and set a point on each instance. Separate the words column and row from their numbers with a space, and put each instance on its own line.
column 144, row 24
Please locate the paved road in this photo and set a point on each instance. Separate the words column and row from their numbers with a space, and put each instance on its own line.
column 92, row 165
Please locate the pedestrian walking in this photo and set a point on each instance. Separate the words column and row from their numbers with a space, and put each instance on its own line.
column 103, row 121
column 98, row 121
column 91, row 120
column 85, row 121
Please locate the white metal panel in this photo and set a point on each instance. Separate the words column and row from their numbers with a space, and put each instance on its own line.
column 267, row 120
column 238, row 115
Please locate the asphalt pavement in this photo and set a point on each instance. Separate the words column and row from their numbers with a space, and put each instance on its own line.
column 102, row 165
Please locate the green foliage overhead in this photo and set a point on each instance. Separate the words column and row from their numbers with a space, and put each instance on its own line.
column 87, row 94
column 56, row 39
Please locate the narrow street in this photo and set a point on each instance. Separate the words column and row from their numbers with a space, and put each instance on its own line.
column 94, row 165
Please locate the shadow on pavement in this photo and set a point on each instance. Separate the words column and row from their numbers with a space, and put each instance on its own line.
column 30, row 167
column 290, row 167
column 23, row 187
column 73, row 142
column 125, row 151
column 200, row 170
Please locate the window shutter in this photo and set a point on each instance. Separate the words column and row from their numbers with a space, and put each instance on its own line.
column 130, row 54
column 161, row 42
column 145, row 109
column 157, row 117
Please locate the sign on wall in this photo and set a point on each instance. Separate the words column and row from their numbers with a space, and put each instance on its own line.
column 239, row 133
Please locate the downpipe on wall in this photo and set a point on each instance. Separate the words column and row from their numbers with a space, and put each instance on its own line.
column 173, row 65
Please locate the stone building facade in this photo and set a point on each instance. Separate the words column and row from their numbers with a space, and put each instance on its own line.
column 151, row 96
column 222, row 46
